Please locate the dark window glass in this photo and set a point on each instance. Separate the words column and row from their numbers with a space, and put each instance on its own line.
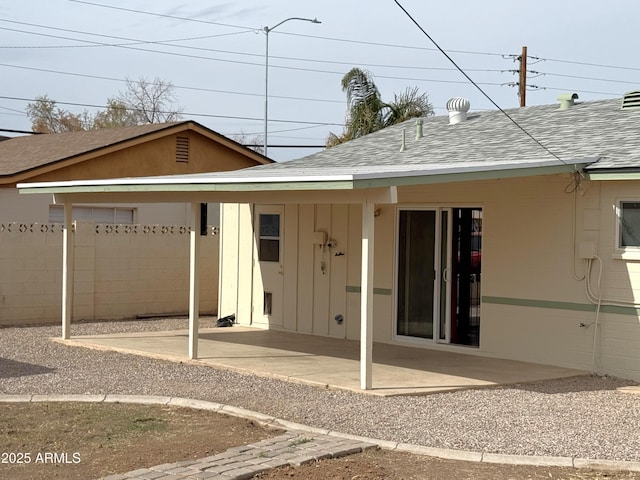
column 269, row 239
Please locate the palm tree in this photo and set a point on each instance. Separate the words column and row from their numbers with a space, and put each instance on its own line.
column 367, row 113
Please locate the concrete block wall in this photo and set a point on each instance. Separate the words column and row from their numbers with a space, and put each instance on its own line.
column 120, row 271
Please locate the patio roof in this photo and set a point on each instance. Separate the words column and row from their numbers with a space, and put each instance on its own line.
column 302, row 179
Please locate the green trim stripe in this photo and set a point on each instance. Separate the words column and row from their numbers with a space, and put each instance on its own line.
column 530, row 302
column 578, row 307
column 376, row 291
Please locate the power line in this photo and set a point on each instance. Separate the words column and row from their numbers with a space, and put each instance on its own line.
column 478, row 87
column 186, row 19
column 280, row 33
column 571, row 62
column 378, row 44
column 168, row 43
column 182, row 87
column 208, row 115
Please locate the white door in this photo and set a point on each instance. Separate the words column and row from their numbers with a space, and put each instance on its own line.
column 268, row 275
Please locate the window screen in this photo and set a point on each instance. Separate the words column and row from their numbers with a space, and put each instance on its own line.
column 630, row 224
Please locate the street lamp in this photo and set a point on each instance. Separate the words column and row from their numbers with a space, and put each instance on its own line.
column 266, row 72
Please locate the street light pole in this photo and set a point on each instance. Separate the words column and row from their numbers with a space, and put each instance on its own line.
column 266, row 72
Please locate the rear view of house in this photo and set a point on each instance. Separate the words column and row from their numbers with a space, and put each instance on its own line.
column 502, row 236
column 492, row 242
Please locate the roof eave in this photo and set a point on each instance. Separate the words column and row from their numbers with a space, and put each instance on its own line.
column 470, row 175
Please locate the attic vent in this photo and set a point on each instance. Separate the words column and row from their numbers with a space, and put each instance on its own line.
column 458, row 108
column 182, row 149
column 631, row 100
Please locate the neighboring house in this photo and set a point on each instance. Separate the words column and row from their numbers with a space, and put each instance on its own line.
column 131, row 257
column 463, row 233
column 155, row 149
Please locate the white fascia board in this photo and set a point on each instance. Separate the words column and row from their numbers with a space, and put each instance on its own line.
column 188, row 180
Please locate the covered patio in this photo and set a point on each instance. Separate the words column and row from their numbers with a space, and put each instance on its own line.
column 398, row 369
column 327, row 362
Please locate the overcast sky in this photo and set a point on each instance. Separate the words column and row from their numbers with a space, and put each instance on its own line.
column 213, row 52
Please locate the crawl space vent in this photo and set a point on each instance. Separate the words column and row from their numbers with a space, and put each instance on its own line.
column 631, row 100
column 182, row 149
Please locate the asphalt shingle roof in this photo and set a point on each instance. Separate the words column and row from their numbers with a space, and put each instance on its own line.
column 596, row 129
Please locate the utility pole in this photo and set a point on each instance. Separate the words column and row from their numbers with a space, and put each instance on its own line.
column 523, row 78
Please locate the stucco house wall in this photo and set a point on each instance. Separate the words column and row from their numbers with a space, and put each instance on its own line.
column 534, row 306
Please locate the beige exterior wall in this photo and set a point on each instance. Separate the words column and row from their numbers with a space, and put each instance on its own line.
column 120, row 272
column 533, row 307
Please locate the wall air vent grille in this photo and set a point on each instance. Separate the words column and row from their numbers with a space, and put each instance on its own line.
column 631, row 100
column 182, row 149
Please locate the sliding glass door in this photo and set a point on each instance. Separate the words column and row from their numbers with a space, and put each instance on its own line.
column 439, row 274
column 416, row 272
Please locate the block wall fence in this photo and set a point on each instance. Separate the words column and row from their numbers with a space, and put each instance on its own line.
column 120, row 271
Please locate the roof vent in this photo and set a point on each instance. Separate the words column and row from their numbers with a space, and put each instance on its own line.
column 458, row 108
column 631, row 100
column 418, row 129
column 567, row 100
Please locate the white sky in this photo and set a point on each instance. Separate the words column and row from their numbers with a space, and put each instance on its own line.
column 67, row 50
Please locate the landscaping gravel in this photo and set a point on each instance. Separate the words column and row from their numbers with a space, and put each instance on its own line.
column 577, row 417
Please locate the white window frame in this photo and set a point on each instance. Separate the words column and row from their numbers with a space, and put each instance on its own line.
column 630, row 250
column 86, row 213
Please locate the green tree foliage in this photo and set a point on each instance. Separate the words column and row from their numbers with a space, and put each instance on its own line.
column 142, row 102
column 367, row 112
column 116, row 115
column 47, row 117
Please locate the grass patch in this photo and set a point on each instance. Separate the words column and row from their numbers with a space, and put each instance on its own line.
column 300, row 441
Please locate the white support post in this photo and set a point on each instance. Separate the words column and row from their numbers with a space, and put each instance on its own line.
column 67, row 270
column 194, row 280
column 366, row 297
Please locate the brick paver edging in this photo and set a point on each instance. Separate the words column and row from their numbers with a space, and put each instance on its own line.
column 301, row 444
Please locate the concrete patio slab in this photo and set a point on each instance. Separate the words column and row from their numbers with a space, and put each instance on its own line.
column 329, row 362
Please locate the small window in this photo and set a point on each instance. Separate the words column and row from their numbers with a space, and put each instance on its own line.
column 629, row 224
column 269, row 237
column 108, row 215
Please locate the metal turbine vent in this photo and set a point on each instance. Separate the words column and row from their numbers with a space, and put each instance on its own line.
column 631, row 100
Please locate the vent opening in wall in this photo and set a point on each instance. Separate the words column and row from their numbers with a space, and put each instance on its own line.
column 631, row 100
column 268, row 303
column 182, row 149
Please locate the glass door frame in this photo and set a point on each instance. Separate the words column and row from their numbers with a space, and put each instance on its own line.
column 441, row 313
column 443, row 260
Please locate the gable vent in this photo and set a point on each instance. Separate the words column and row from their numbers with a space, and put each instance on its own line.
column 182, row 149
column 631, row 100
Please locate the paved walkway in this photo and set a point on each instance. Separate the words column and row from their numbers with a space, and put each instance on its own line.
column 292, row 448
column 299, row 445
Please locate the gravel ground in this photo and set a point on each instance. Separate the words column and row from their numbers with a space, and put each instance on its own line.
column 578, row 417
